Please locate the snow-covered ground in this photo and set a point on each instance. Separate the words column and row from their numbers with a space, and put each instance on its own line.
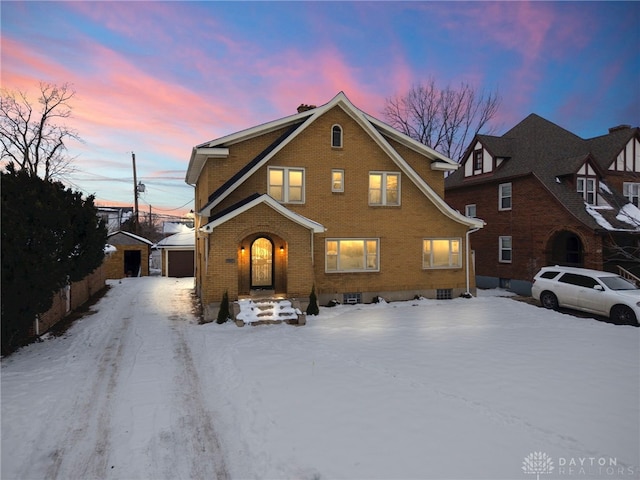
column 451, row 389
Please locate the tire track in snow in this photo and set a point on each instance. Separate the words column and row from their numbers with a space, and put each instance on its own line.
column 83, row 451
column 196, row 424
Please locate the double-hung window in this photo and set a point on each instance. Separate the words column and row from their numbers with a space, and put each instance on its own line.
column 505, row 249
column 286, row 184
column 337, row 180
column 470, row 210
column 352, row 255
column 632, row 192
column 441, row 253
column 384, row 188
column 504, row 196
column 477, row 160
column 586, row 187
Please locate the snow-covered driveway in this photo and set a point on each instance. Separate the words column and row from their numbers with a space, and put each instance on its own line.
column 118, row 398
column 428, row 389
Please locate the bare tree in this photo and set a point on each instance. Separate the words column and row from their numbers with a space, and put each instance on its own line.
column 443, row 119
column 31, row 137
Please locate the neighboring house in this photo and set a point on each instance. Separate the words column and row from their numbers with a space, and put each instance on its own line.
column 114, row 217
column 329, row 197
column 169, row 228
column 131, row 258
column 177, row 253
column 550, row 197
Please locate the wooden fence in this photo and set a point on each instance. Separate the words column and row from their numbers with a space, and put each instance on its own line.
column 69, row 298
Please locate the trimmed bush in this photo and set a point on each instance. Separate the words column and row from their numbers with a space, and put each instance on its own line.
column 313, row 308
column 224, row 314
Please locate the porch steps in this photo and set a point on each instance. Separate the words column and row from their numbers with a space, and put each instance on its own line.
column 267, row 310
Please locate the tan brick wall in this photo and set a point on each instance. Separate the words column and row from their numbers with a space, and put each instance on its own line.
column 114, row 264
column 345, row 215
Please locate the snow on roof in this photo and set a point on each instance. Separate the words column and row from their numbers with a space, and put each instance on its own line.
column 132, row 235
column 175, row 227
column 630, row 214
column 182, row 239
column 599, row 218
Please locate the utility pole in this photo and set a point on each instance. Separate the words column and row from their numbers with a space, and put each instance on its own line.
column 135, row 194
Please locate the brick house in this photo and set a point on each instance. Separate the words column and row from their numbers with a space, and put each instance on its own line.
column 131, row 258
column 329, row 197
column 549, row 197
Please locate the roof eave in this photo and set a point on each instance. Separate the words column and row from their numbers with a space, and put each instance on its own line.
column 199, row 156
column 269, row 201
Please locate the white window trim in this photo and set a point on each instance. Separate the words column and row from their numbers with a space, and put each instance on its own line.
column 501, row 196
column 341, row 135
column 500, row 249
column 478, row 171
column 468, row 207
column 584, row 192
column 285, row 186
column 383, row 186
column 363, row 270
column 631, row 191
column 451, row 265
column 341, row 171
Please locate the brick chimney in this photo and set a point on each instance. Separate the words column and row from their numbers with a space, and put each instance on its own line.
column 619, row 127
column 304, row 107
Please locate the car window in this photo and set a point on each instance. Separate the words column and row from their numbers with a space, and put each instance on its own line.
column 618, row 283
column 549, row 274
column 579, row 280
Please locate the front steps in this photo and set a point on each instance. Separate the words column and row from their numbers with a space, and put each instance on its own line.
column 267, row 311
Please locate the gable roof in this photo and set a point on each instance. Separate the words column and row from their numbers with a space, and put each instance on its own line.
column 180, row 239
column 133, row 236
column 540, row 148
column 376, row 129
column 256, row 199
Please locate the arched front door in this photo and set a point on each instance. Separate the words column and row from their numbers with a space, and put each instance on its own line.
column 262, row 263
column 567, row 249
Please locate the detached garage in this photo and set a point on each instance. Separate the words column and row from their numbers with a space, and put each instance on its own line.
column 131, row 258
column 178, row 253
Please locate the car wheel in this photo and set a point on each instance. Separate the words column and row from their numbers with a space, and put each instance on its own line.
column 623, row 315
column 549, row 300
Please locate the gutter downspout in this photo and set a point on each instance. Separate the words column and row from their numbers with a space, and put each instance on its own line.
column 467, row 294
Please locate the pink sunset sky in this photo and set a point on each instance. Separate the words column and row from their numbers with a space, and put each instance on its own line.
column 157, row 78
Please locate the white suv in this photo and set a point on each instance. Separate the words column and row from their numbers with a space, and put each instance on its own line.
column 592, row 291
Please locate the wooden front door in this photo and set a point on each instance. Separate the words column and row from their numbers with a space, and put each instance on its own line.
column 262, row 263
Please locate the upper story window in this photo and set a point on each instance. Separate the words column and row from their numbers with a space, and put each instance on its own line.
column 631, row 190
column 477, row 160
column 286, row 184
column 384, row 188
column 337, row 180
column 470, row 210
column 336, row 136
column 504, row 196
column 586, row 187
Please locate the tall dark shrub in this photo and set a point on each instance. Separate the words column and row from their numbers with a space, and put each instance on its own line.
column 50, row 235
column 224, row 314
column 312, row 308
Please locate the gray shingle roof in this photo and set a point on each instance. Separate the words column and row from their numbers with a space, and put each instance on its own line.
column 538, row 147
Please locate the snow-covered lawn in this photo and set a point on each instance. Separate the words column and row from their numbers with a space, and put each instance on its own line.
column 457, row 389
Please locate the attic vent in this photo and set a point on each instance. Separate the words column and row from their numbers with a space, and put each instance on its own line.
column 619, row 127
column 304, row 107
